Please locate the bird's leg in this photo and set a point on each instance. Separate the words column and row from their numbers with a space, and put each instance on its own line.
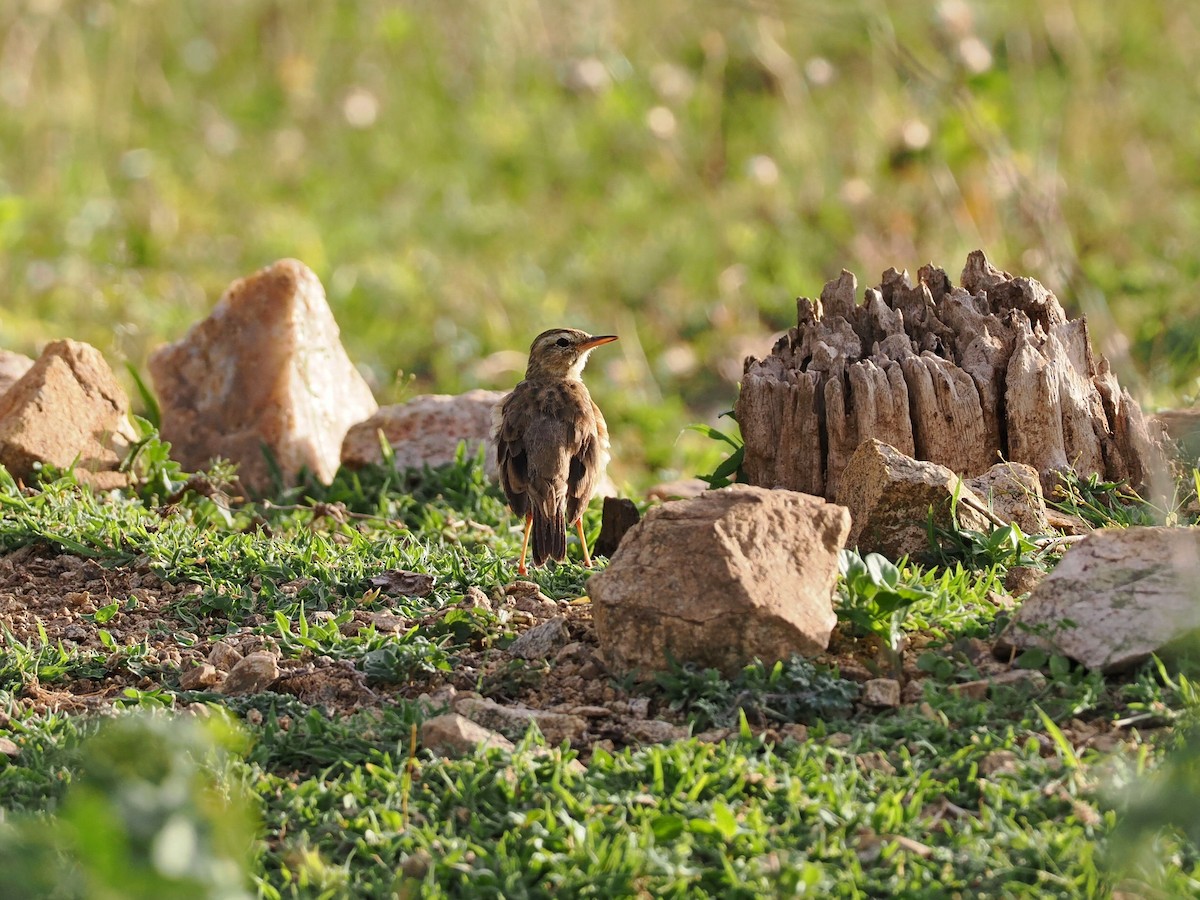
column 521, row 570
column 587, row 560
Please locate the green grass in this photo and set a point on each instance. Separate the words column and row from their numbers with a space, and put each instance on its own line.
column 458, row 186
column 950, row 796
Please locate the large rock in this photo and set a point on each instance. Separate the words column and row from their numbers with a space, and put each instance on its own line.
column 67, row 407
column 426, row 431
column 12, row 367
column 1118, row 595
column 890, row 496
column 737, row 574
column 266, row 369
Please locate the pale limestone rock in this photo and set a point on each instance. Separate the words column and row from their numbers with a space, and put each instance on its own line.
column 252, row 674
column 1013, row 491
column 514, row 721
column 738, row 574
column 882, row 693
column 1117, row 596
column 12, row 367
column 654, row 731
column 426, row 431
column 265, row 369
column 67, row 407
column 455, row 735
column 889, row 496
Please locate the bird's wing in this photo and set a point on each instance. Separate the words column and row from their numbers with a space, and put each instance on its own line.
column 512, row 459
column 588, row 461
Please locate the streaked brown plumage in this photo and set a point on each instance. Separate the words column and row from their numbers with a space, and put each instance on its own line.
column 552, row 443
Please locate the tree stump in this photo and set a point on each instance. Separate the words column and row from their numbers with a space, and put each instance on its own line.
column 965, row 376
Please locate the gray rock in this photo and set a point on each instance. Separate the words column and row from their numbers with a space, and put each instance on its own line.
column 252, row 674
column 456, row 735
column 890, row 495
column 540, row 640
column 1118, row 595
column 734, row 575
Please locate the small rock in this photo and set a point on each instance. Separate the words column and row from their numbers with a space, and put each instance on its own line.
column 9, row 748
column 540, row 640
column 528, row 597
column 981, row 688
column 890, row 496
column 654, row 731
column 738, row 574
column 680, row 489
column 455, row 735
column 67, row 408
column 795, row 731
column 639, row 707
column 913, row 691
column 199, row 677
column 1117, row 596
column 1014, row 493
column 881, row 693
column 514, row 721
column 386, row 621
column 75, row 633
column 402, row 583
column 475, row 598
column 266, row 368
column 224, row 655
column 616, row 518
column 590, row 712
column 252, row 674
column 1022, row 579
column 998, row 762
column 426, row 431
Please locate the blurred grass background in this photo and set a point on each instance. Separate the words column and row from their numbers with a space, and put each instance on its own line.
column 462, row 175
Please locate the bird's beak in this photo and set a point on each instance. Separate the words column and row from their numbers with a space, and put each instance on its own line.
column 596, row 341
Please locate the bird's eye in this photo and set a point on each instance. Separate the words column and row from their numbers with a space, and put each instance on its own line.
column 563, row 342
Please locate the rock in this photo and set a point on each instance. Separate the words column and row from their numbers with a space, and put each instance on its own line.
column 738, row 574
column 199, row 677
column 889, row 496
column 386, row 621
column 883, row 693
column 426, row 431
column 653, row 731
column 1022, row 579
column 224, row 655
column 67, row 408
column 455, row 735
column 252, row 674
column 9, row 748
column 528, row 597
column 403, row 583
column 265, row 369
column 1013, row 491
column 679, row 489
column 1117, row 596
column 514, row 721
column 540, row 640
column 12, row 367
column 982, row 687
column 618, row 516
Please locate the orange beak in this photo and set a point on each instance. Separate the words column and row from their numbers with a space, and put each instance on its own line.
column 596, row 342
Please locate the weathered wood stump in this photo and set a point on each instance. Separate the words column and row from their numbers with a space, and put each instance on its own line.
column 964, row 376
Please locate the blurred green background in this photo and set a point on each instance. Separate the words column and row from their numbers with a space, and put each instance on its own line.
column 464, row 174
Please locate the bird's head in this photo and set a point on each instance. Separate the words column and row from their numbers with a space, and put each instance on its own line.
column 562, row 352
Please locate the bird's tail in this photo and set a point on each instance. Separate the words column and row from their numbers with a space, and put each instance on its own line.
column 549, row 536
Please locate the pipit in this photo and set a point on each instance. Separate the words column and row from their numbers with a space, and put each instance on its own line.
column 552, row 443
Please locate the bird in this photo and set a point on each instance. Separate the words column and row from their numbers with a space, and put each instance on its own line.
column 552, row 443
